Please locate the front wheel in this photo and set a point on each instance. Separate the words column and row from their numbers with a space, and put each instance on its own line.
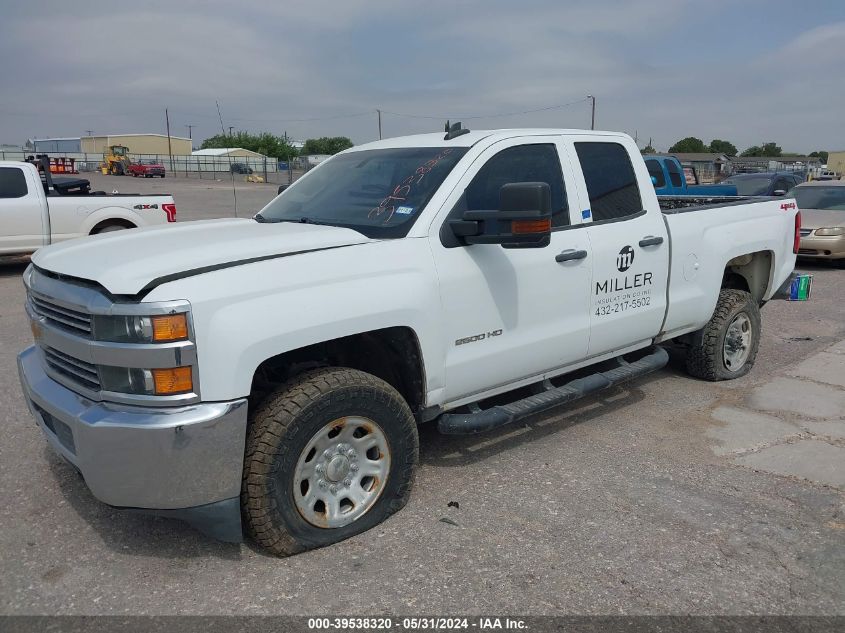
column 726, row 347
column 329, row 455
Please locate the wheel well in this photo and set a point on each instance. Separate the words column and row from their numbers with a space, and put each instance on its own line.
column 750, row 272
column 392, row 354
column 112, row 222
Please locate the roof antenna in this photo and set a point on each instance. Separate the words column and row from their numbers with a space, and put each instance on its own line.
column 454, row 130
column 229, row 155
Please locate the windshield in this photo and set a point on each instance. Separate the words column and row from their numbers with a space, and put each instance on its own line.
column 750, row 185
column 827, row 198
column 378, row 192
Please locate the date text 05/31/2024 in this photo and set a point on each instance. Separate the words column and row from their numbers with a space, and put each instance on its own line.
column 416, row 624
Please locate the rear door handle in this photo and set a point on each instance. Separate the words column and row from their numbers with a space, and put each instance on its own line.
column 569, row 255
column 651, row 240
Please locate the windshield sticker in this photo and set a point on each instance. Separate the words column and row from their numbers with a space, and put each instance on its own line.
column 386, row 209
column 585, row 214
column 404, row 210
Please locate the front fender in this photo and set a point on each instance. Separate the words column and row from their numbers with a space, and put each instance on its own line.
column 247, row 314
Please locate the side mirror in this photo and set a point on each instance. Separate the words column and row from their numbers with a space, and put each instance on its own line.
column 523, row 219
column 779, row 192
column 282, row 188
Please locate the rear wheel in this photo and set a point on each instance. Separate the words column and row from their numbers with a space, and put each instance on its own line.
column 329, row 455
column 726, row 347
column 108, row 228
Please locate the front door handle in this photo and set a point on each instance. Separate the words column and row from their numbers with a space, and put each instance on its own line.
column 651, row 240
column 569, row 255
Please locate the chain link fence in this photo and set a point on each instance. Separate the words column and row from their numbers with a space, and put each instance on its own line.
column 211, row 167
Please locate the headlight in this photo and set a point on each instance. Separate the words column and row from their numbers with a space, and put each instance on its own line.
column 831, row 231
column 141, row 329
column 147, row 382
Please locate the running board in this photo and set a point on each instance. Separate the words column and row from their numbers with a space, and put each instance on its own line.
column 479, row 421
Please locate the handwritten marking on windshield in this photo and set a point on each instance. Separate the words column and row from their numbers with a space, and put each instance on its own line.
column 403, row 189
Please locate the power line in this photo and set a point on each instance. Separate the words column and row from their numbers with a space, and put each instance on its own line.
column 249, row 120
column 485, row 116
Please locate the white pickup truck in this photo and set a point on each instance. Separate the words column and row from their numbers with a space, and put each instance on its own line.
column 275, row 369
column 37, row 209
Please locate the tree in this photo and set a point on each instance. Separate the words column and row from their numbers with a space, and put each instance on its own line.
column 719, row 146
column 648, row 149
column 688, row 145
column 326, row 145
column 263, row 143
column 772, row 149
column 822, row 155
column 768, row 149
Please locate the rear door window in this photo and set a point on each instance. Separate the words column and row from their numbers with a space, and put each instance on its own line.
column 610, row 179
column 12, row 183
column 674, row 173
column 656, row 172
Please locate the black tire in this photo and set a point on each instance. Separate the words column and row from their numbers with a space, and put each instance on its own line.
column 108, row 228
column 705, row 355
column 280, row 429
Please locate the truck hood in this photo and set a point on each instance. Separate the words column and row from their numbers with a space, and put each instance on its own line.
column 137, row 260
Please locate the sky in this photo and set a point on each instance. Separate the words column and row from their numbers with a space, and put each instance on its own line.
column 746, row 71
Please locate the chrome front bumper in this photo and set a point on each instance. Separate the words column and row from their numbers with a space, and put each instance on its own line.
column 148, row 458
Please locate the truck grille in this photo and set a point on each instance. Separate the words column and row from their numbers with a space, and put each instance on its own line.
column 63, row 318
column 78, row 371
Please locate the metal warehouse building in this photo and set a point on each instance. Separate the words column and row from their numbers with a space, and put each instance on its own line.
column 138, row 144
column 836, row 162
column 55, row 145
column 235, row 152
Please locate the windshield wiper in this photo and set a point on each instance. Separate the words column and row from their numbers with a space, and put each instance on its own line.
column 303, row 220
column 260, row 218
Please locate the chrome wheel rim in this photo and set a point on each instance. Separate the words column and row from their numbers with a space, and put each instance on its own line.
column 737, row 345
column 341, row 472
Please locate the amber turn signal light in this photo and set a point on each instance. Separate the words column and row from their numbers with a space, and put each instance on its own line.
column 531, row 226
column 170, row 327
column 171, row 381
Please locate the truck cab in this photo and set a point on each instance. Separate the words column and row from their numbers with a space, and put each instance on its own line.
column 669, row 178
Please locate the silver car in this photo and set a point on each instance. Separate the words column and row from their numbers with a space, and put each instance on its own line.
column 822, row 205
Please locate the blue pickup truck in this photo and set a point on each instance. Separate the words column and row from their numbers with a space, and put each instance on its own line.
column 669, row 179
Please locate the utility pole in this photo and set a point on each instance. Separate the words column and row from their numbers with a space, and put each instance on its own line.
column 593, row 117
column 230, row 130
column 379, row 123
column 89, row 132
column 190, row 127
column 169, row 146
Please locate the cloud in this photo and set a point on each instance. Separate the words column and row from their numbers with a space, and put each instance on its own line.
column 664, row 69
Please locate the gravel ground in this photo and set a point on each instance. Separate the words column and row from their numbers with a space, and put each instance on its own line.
column 629, row 503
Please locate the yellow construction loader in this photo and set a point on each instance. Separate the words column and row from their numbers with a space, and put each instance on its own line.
column 116, row 161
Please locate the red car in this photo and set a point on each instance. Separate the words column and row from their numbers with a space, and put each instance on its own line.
column 146, row 168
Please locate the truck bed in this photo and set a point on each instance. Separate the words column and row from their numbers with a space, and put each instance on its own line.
column 681, row 204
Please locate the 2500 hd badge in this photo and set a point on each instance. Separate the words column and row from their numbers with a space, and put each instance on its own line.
column 612, row 294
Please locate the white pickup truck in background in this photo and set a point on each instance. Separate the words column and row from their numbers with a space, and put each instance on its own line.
column 37, row 209
column 276, row 368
